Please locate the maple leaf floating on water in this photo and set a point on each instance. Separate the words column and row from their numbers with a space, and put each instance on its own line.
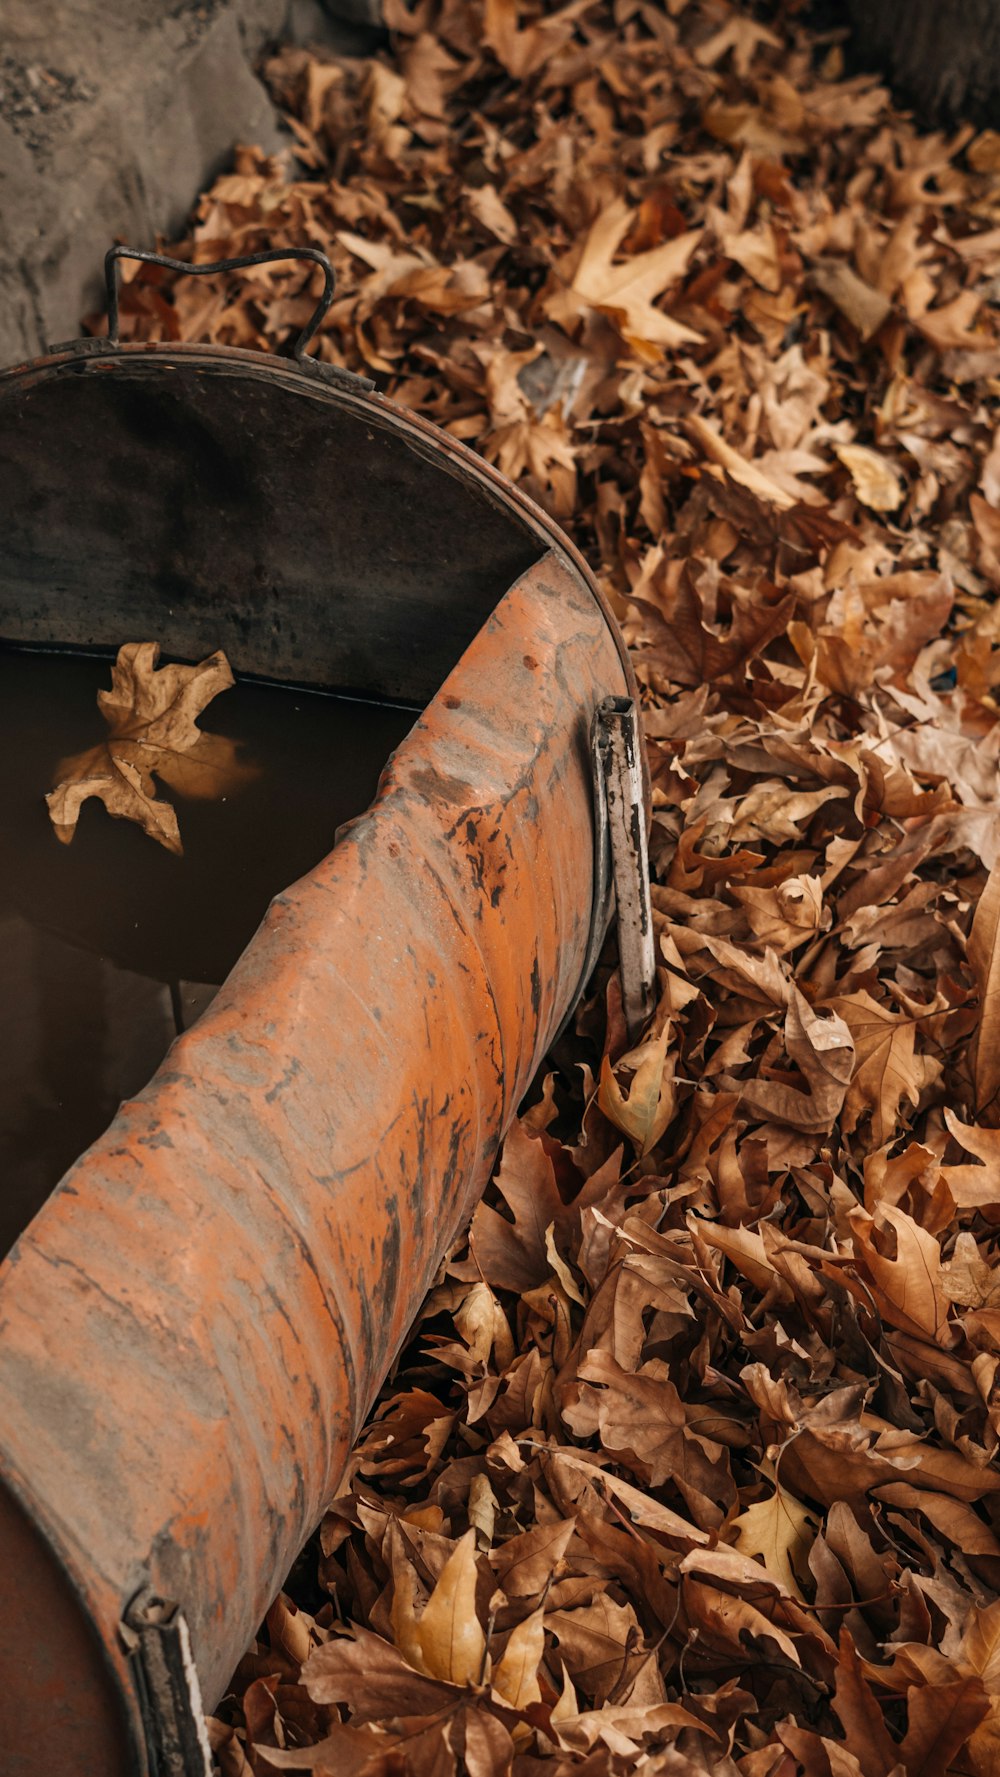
column 151, row 713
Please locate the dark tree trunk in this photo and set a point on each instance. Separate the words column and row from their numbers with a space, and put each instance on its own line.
column 942, row 56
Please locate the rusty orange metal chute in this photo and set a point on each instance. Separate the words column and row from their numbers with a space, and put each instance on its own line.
column 194, row 1327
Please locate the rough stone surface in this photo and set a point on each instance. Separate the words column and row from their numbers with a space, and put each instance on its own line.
column 355, row 12
column 112, row 119
column 942, row 56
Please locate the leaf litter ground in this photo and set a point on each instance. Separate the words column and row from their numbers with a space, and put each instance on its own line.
column 689, row 1466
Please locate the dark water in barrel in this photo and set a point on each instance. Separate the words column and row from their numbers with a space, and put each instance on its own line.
column 110, row 945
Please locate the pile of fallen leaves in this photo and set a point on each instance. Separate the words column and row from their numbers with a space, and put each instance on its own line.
column 690, row 1465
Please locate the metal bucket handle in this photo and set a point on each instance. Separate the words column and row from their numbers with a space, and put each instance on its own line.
column 314, row 254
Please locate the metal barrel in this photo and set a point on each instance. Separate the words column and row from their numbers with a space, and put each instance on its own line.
column 195, row 1325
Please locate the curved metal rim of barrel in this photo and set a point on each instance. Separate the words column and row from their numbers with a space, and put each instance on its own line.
column 308, row 376
column 84, row 356
column 95, row 358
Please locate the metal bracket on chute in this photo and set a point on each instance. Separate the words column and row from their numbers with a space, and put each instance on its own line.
column 156, row 1634
column 622, row 827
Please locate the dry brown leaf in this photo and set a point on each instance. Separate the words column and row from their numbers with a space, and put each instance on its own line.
column 520, row 49
column 859, row 1715
column 888, row 1069
column 984, row 961
column 864, row 307
column 907, row 1285
column 625, row 1731
column 876, row 481
column 513, row 1255
column 823, row 1050
column 445, row 1640
column 641, row 1420
column 489, row 208
column 625, row 292
column 746, row 473
column 428, row 71
column 974, row 1187
column 515, row 1676
column 941, row 1720
column 373, row 1677
column 645, row 1113
column 968, row 1278
column 780, row 1530
column 639, row 1506
column 735, row 1622
column 979, row 1650
column 783, row 917
column 525, row 1564
column 593, row 1642
column 755, row 249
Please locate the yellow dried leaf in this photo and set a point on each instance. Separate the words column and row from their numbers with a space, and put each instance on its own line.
column 779, row 1531
column 984, row 960
column 876, row 482
column 516, row 1676
column 645, row 1113
column 482, row 1508
column 452, row 1644
column 560, row 1267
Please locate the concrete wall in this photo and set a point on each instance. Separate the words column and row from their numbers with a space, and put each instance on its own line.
column 113, row 116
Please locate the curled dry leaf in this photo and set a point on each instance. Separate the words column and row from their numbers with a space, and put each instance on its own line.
column 645, row 1112
column 445, row 1640
column 984, row 960
column 864, row 307
column 780, row 1531
column 822, row 1049
column 876, row 482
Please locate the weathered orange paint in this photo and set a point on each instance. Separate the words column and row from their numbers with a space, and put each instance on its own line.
column 194, row 1328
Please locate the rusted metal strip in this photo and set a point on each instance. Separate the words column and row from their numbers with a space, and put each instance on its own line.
column 156, row 1634
column 618, row 746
